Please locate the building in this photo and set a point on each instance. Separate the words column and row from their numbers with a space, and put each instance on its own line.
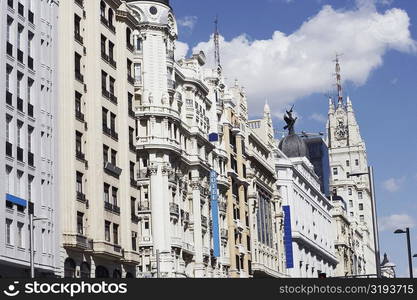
column 97, row 125
column 28, row 155
column 265, row 203
column 348, row 155
column 387, row 268
column 318, row 154
column 308, row 223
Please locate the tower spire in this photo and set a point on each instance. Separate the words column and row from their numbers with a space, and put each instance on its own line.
column 217, row 44
column 339, row 82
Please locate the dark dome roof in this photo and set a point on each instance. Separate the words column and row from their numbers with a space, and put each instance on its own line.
column 166, row 2
column 293, row 146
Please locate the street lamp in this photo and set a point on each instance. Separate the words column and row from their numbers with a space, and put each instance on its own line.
column 370, row 174
column 32, row 219
column 410, row 261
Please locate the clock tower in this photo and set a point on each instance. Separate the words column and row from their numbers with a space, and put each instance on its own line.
column 347, row 155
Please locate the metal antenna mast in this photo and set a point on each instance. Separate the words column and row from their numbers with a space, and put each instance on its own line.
column 217, row 44
column 339, row 81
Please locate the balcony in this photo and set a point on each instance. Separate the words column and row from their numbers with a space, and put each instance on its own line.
column 77, row 241
column 20, row 56
column 79, row 116
column 112, row 208
column 9, row 98
column 31, row 159
column 112, row 170
column 78, row 38
column 9, row 149
column 31, row 17
column 174, row 209
column 81, row 197
column 9, row 49
column 30, row 110
column 19, row 104
column 80, row 3
column 80, row 156
column 19, row 154
column 79, row 76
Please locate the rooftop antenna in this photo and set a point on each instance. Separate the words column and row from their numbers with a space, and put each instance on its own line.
column 339, row 81
column 217, row 44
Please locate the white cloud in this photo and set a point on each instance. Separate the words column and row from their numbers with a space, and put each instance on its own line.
column 394, row 81
column 287, row 67
column 188, row 22
column 395, row 222
column 393, row 184
column 318, row 118
column 181, row 50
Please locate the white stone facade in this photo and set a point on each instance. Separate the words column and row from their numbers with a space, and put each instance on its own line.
column 28, row 153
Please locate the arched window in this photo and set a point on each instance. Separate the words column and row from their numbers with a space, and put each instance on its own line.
column 110, row 16
column 69, row 268
column 102, row 272
column 103, row 9
column 117, row 274
column 85, row 270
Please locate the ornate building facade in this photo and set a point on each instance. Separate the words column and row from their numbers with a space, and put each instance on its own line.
column 348, row 156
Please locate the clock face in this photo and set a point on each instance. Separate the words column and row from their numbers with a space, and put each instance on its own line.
column 341, row 131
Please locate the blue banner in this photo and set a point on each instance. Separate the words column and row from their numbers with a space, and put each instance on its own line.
column 16, row 200
column 288, row 237
column 215, row 213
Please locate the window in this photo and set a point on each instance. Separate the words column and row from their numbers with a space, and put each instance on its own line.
column 113, row 122
column 78, row 109
column 19, row 191
column 103, row 9
column 106, row 193
column 77, row 61
column 111, row 85
column 132, row 170
column 77, row 27
column 139, row 44
column 78, row 142
column 103, row 45
column 350, row 203
column 29, row 90
column 20, row 237
column 103, row 81
column 9, row 232
column 361, row 206
column 356, row 162
column 20, row 29
column 8, row 122
column 134, row 239
column 335, row 171
column 80, row 223
column 113, row 157
column 104, row 117
column 114, row 192
column 360, row 195
column 19, row 85
column 9, row 28
column 138, row 72
column 111, row 14
column 362, row 218
column 79, row 182
column 105, row 153
column 9, row 70
column 107, row 231
column 347, row 163
column 116, row 234
column 9, row 180
column 350, row 191
column 111, row 51
column 30, row 182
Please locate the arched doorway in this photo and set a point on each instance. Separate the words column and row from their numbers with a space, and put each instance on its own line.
column 129, row 275
column 85, row 270
column 69, row 268
column 102, row 272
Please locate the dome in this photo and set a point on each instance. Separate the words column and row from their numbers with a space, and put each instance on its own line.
column 293, row 146
column 166, row 2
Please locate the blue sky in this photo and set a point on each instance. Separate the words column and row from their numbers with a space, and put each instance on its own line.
column 381, row 77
